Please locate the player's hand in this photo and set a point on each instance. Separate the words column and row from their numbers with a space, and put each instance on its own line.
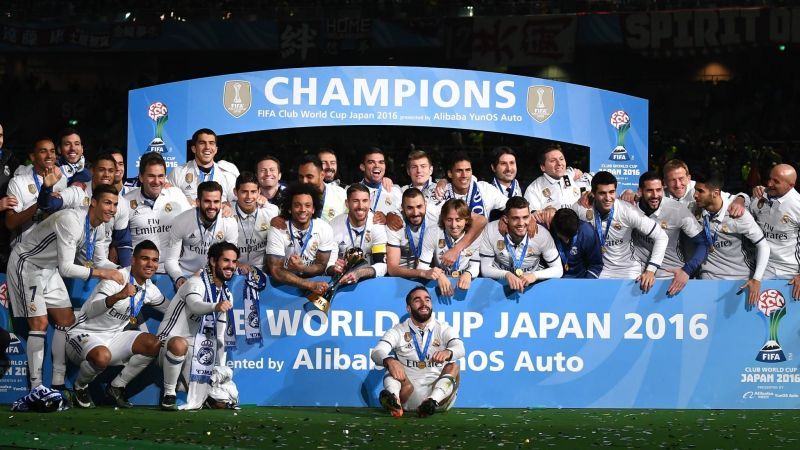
column 180, row 282
column 387, row 184
column 295, row 264
column 244, row 269
column 109, row 274
column 51, row 176
column 533, row 228
column 445, row 286
column 167, row 185
column 223, row 306
column 543, row 216
column 646, row 281
column 338, row 267
column 759, row 191
column 192, row 201
column 753, row 289
column 395, row 369
column 577, row 174
column 432, row 274
column 628, row 196
column 261, row 201
column 441, row 189
column 514, row 282
column 394, row 222
column 736, row 209
column 502, row 226
column 227, row 211
column 795, row 283
column 529, row 279
column 318, row 287
column 464, row 281
column 349, row 278
column 278, row 222
column 8, row 202
column 449, row 257
column 586, row 200
column 442, row 356
column 378, row 218
column 678, row 281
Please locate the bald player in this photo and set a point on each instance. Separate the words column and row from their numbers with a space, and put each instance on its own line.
column 776, row 209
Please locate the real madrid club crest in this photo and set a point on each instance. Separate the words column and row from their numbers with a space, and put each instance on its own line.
column 86, row 201
column 388, row 200
column 664, row 224
column 368, row 237
column 546, row 192
column 724, row 228
column 189, row 177
column 407, row 336
column 32, row 188
column 589, row 215
column 529, row 252
column 761, row 203
column 264, row 226
column 437, row 342
column 168, row 207
column 330, row 213
column 501, row 244
column 441, row 243
column 220, row 235
column 617, row 226
column 785, row 218
column 134, row 204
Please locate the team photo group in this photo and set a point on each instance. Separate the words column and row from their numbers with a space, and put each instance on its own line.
column 204, row 222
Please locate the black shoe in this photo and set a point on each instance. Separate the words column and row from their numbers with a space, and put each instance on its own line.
column 118, row 394
column 66, row 394
column 389, row 402
column 427, row 408
column 82, row 398
column 169, row 403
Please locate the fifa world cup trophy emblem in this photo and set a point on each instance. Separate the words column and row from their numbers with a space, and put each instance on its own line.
column 158, row 114
column 772, row 304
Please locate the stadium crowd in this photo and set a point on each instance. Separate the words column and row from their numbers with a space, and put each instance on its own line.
column 207, row 219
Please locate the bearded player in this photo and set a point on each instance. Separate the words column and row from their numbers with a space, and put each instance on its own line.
column 420, row 357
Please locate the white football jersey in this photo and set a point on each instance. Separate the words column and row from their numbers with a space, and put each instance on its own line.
column 60, row 242
column 492, row 199
column 674, row 218
column 559, row 193
column 730, row 258
column 25, row 188
column 281, row 244
column 189, row 240
column 780, row 221
column 186, row 177
column 399, row 340
column 540, row 249
column 334, row 202
column 435, row 245
column 371, row 238
column 152, row 220
column 253, row 230
column 399, row 239
column 75, row 197
column 186, row 309
column 618, row 256
column 96, row 317
column 381, row 200
column 428, row 190
column 513, row 190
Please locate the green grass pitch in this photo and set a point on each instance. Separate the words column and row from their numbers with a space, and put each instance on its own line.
column 345, row 428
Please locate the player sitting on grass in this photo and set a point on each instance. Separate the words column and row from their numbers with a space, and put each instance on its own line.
column 423, row 374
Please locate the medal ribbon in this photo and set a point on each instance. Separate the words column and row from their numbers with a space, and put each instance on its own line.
column 473, row 198
column 91, row 240
column 598, row 222
column 242, row 219
column 306, row 238
column 450, row 242
column 711, row 240
column 137, row 306
column 564, row 252
column 502, row 188
column 378, row 192
column 513, row 254
column 201, row 175
column 204, row 232
column 415, row 248
column 36, row 181
column 421, row 354
column 362, row 233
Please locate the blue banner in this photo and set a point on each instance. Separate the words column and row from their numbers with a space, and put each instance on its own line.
column 613, row 126
column 552, row 346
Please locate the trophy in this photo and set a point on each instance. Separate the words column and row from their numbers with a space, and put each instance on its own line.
column 354, row 260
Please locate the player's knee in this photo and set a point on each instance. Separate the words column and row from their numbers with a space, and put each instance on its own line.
column 151, row 345
column 178, row 346
column 99, row 357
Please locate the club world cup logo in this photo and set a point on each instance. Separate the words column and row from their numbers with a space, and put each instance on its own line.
column 622, row 122
column 158, row 114
column 541, row 102
column 772, row 304
column 237, row 97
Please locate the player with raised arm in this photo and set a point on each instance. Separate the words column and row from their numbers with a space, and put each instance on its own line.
column 99, row 338
column 514, row 255
column 423, row 376
column 373, row 166
column 71, row 244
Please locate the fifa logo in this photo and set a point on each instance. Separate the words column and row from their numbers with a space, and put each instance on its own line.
column 772, row 304
column 622, row 122
column 158, row 113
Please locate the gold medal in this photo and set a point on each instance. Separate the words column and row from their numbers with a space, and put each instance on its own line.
column 518, row 272
column 32, row 188
column 133, row 321
column 455, row 274
column 88, row 264
column 168, row 207
column 602, row 249
column 566, row 267
column 711, row 249
column 421, row 365
column 589, row 215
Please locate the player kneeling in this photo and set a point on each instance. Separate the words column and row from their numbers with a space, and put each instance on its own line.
column 423, row 374
column 194, row 325
column 99, row 339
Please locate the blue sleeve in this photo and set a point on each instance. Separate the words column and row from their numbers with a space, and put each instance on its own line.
column 590, row 248
column 48, row 202
column 699, row 255
column 121, row 239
